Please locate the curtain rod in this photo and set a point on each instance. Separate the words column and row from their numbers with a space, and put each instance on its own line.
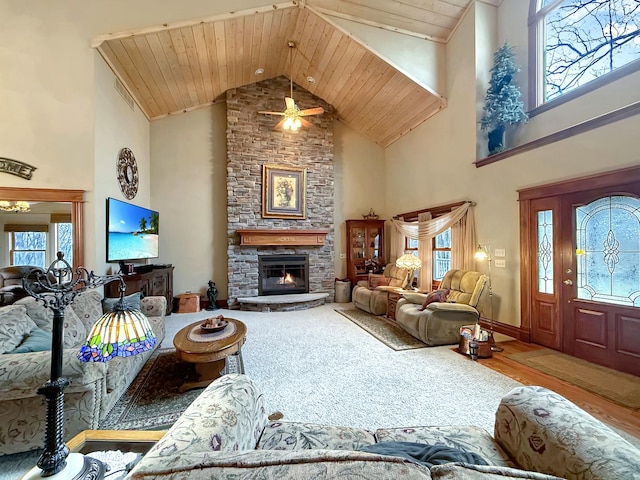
column 439, row 209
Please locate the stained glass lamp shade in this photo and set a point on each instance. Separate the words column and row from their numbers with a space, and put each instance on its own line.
column 121, row 333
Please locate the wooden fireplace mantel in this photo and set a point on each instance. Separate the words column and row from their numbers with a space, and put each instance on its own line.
column 265, row 236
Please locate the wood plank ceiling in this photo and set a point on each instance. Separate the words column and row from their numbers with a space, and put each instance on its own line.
column 176, row 68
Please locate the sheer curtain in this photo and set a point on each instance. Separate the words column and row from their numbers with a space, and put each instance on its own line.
column 397, row 242
column 463, row 239
column 463, row 242
column 425, row 253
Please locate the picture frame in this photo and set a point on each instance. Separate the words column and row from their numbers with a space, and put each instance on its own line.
column 284, row 192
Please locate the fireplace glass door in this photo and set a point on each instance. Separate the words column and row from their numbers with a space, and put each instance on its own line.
column 283, row 274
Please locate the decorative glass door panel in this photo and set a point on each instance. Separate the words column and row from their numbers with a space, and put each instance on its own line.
column 545, row 251
column 608, row 250
column 545, row 301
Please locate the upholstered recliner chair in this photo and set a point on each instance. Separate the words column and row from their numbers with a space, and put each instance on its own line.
column 439, row 323
column 371, row 295
column 11, row 283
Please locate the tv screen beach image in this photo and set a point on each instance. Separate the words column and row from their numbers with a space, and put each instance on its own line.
column 132, row 232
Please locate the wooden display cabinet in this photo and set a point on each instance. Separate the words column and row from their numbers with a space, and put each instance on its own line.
column 365, row 241
column 154, row 282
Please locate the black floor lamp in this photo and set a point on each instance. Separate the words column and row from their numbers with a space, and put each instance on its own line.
column 484, row 253
column 121, row 332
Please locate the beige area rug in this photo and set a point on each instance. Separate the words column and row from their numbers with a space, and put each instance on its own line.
column 618, row 387
column 153, row 401
column 383, row 329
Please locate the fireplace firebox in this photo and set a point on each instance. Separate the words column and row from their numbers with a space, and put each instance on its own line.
column 283, row 274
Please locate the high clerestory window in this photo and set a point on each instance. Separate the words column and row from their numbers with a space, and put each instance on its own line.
column 578, row 45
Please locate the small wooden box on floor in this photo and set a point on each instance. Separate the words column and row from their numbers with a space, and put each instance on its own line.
column 188, row 303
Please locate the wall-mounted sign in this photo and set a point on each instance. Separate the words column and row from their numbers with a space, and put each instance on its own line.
column 16, row 167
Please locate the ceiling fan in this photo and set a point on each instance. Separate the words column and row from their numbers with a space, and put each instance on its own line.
column 292, row 114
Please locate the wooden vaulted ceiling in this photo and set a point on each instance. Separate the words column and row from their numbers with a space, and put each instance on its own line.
column 176, row 68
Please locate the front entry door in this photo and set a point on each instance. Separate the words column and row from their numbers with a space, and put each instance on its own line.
column 600, row 292
column 581, row 270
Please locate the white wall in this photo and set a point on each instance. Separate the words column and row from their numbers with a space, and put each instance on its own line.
column 190, row 192
column 116, row 126
column 359, row 184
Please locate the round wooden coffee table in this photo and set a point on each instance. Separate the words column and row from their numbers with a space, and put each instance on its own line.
column 208, row 351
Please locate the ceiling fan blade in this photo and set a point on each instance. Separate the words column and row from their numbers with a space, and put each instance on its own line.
column 305, row 123
column 290, row 103
column 273, row 113
column 312, row 111
column 279, row 125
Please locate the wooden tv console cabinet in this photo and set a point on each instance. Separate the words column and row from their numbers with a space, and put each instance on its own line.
column 155, row 282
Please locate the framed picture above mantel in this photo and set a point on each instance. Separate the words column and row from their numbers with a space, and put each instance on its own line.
column 283, row 192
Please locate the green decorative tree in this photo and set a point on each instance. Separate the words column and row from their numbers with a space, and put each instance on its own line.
column 503, row 102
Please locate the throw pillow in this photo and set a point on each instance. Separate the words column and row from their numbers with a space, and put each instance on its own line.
column 376, row 280
column 435, row 296
column 15, row 325
column 132, row 300
column 74, row 331
column 37, row 312
column 39, row 340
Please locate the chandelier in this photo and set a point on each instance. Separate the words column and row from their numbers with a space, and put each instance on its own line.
column 19, row 206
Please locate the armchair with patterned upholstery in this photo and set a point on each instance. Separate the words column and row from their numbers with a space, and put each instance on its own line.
column 439, row 322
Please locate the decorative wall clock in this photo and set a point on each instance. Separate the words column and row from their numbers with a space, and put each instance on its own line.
column 127, row 173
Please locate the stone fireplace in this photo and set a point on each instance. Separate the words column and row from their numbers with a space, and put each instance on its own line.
column 283, row 274
column 252, row 143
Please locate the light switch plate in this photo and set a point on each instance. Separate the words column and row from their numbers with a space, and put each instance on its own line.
column 501, row 263
column 499, row 252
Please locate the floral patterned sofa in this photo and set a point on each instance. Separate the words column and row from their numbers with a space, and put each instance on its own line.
column 94, row 388
column 225, row 434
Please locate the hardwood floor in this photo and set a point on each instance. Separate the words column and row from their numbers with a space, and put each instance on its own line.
column 625, row 419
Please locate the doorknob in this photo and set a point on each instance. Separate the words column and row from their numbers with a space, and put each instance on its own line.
column 568, row 282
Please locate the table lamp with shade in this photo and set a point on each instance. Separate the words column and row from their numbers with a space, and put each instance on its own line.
column 409, row 262
column 483, row 252
column 121, row 332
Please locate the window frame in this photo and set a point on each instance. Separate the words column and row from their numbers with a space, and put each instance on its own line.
column 434, row 249
column 535, row 97
column 407, row 249
column 28, row 229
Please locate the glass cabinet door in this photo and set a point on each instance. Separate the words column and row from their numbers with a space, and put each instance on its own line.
column 373, row 239
column 358, row 243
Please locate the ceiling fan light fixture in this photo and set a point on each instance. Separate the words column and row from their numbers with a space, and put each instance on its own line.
column 292, row 114
column 292, row 123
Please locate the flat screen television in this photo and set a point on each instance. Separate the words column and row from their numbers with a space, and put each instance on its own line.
column 132, row 231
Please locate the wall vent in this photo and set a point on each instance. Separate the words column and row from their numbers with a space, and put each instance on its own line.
column 122, row 90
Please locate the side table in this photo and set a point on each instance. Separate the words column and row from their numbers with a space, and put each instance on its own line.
column 89, row 441
column 392, row 302
column 138, row 441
